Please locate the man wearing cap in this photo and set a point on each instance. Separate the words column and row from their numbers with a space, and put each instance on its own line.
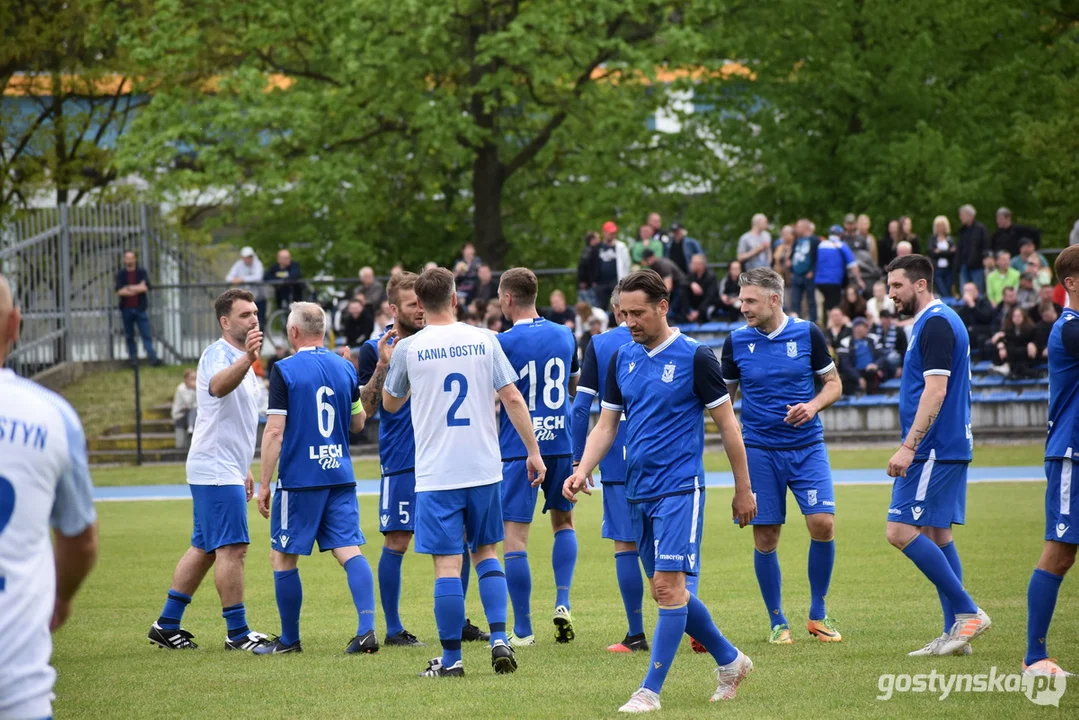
column 1008, row 234
column 682, row 248
column 246, row 274
column 613, row 264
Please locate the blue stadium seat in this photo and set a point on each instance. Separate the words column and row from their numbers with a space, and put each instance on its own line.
column 982, row 367
column 1035, row 396
column 714, row 342
column 893, row 384
column 713, row 327
column 689, row 327
column 952, row 302
column 997, row 396
column 987, row 381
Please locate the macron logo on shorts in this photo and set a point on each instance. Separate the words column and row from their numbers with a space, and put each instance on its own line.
column 917, row 512
column 1061, row 529
column 284, row 541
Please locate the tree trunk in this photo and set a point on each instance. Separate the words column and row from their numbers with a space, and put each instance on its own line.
column 487, row 180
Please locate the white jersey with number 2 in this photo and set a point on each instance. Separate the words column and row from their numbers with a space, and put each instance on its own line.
column 453, row 372
column 44, row 482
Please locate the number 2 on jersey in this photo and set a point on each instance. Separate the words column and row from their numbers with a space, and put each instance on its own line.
column 7, row 509
column 462, row 390
column 554, row 373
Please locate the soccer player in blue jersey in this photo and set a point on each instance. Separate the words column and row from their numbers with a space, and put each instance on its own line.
column 544, row 355
column 452, row 373
column 664, row 381
column 314, row 402
column 617, row 523
column 397, row 457
column 930, row 467
column 1061, row 452
column 775, row 360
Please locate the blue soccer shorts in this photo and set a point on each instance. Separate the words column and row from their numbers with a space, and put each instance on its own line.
column 1061, row 506
column 933, row 494
column 805, row 471
column 617, row 514
column 519, row 497
column 220, row 516
column 397, row 503
column 668, row 532
column 329, row 515
column 444, row 517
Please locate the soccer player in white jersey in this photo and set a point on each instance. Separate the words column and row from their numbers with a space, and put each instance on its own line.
column 219, row 477
column 664, row 382
column 44, row 480
column 454, row 373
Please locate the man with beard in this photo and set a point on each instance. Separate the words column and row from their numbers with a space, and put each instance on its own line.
column 930, row 467
column 396, row 450
column 219, row 477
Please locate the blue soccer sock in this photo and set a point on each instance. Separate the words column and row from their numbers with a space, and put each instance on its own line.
column 361, row 583
column 519, row 584
column 692, row 583
column 492, row 583
column 235, row 621
column 771, row 581
column 289, row 593
column 631, row 585
column 670, row 627
column 952, row 556
column 701, row 627
column 924, row 553
column 173, row 612
column 466, row 570
column 1041, row 601
column 389, row 588
column 821, row 561
column 564, row 560
column 449, row 617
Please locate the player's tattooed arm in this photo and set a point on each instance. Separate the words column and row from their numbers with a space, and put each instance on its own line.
column 936, row 388
column 372, row 391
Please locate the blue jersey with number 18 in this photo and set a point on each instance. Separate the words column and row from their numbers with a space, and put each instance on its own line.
column 314, row 389
column 545, row 357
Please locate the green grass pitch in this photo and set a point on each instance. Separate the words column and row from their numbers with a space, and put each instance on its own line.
column 883, row 606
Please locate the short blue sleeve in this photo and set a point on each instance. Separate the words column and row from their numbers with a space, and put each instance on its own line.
column 1069, row 338
column 730, row 371
column 612, row 394
column 73, row 508
column 368, row 360
column 936, row 344
column 278, row 392
column 848, row 256
column 588, row 382
column 574, row 366
column 819, row 357
column 708, row 382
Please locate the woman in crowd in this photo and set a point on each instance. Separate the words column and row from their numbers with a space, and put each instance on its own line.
column 906, row 232
column 941, row 250
column 886, row 246
column 1016, row 351
column 853, row 304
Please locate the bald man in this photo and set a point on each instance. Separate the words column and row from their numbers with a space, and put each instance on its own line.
column 44, row 481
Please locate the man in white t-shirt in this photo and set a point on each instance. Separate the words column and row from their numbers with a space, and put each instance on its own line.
column 755, row 246
column 219, row 477
column 44, row 480
column 454, row 373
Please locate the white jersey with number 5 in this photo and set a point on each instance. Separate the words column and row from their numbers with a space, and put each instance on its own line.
column 453, row 372
column 44, row 481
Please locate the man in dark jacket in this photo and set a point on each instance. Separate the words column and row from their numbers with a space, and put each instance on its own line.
column 587, row 268
column 286, row 269
column 972, row 246
column 859, row 360
column 1009, row 234
column 701, row 290
column 681, row 248
column 357, row 323
column 976, row 312
column 132, row 286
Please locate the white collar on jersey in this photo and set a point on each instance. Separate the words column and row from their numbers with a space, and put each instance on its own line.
column 775, row 333
column 310, row 347
column 665, row 344
column 526, row 321
column 935, row 301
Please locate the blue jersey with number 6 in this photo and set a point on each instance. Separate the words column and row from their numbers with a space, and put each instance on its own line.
column 314, row 389
column 545, row 357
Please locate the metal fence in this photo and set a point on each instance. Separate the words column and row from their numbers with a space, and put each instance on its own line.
column 62, row 263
